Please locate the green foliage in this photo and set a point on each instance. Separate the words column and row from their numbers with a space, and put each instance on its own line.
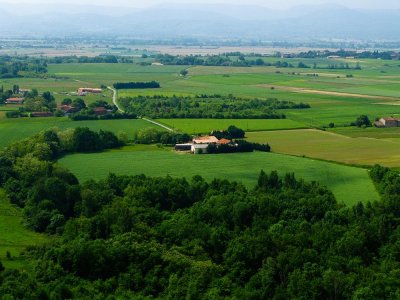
column 11, row 67
column 141, row 237
column 207, row 106
column 362, row 121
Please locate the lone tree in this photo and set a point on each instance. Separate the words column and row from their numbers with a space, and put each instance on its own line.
column 362, row 120
column 184, row 72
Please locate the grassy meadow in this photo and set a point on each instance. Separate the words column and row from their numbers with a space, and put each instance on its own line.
column 330, row 146
column 349, row 184
column 14, row 236
column 12, row 130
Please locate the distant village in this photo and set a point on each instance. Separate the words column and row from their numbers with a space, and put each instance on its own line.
column 65, row 108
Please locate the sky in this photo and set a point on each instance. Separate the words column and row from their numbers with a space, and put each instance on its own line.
column 275, row 4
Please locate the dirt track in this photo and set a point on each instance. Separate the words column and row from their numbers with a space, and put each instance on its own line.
column 320, row 92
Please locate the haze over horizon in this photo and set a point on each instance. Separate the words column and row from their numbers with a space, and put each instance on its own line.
column 271, row 4
column 177, row 19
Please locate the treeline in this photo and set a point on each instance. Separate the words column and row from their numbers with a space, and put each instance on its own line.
column 46, row 191
column 386, row 55
column 108, row 59
column 12, row 67
column 135, row 237
column 151, row 135
column 217, row 107
column 90, row 115
column 237, row 146
column 137, row 85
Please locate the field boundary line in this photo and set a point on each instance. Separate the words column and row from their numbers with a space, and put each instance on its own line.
column 158, row 124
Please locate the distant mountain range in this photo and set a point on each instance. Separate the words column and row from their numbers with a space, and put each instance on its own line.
column 206, row 21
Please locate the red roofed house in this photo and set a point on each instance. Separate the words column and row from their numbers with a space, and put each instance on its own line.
column 99, row 111
column 15, row 100
column 68, row 109
column 89, row 90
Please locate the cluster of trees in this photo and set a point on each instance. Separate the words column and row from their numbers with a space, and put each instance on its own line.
column 387, row 55
column 151, row 135
column 344, row 66
column 89, row 114
column 12, row 67
column 166, row 238
column 232, row 132
column 221, row 107
column 35, row 102
column 108, row 59
column 47, row 192
column 137, row 85
column 237, row 146
column 362, row 121
column 5, row 94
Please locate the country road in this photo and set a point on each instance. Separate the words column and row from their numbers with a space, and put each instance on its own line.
column 145, row 119
column 115, row 98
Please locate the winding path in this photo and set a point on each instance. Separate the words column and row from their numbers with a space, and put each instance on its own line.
column 115, row 98
column 143, row 118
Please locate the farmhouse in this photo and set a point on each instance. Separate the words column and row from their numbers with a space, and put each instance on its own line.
column 89, row 90
column 68, row 109
column 199, row 145
column 99, row 111
column 15, row 100
column 388, row 122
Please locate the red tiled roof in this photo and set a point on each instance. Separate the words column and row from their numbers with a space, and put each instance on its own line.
column 205, row 140
column 224, row 141
column 15, row 99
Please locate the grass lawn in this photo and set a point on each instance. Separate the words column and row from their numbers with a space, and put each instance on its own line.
column 331, row 146
column 349, row 184
column 12, row 130
column 14, row 236
column 206, row 125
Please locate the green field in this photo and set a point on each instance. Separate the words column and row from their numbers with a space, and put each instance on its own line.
column 14, row 236
column 206, row 125
column 349, row 184
column 12, row 130
column 331, row 146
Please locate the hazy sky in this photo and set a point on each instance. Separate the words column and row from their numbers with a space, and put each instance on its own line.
column 383, row 4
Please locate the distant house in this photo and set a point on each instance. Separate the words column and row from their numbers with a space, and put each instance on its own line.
column 388, row 122
column 99, row 111
column 89, row 90
column 23, row 91
column 199, row 148
column 15, row 101
column 68, row 109
column 41, row 114
column 205, row 140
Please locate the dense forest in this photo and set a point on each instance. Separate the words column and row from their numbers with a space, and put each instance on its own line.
column 11, row 67
column 207, row 106
column 135, row 237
